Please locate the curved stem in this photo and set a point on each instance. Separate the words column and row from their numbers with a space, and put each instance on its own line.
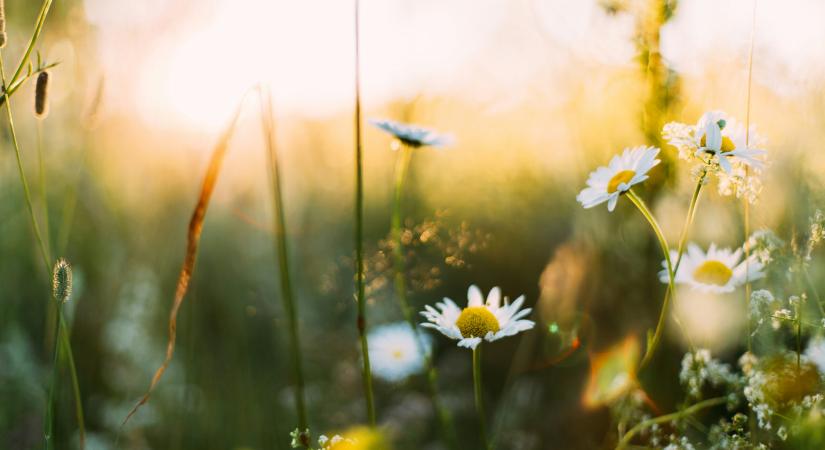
column 479, row 396
column 667, row 418
column 653, row 342
column 402, row 166
column 281, row 251
column 360, row 295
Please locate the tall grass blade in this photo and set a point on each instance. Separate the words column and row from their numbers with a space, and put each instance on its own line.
column 192, row 241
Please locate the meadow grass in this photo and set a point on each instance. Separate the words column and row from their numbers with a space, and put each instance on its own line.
column 282, row 252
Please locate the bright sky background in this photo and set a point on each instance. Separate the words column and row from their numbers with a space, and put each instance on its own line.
column 189, row 61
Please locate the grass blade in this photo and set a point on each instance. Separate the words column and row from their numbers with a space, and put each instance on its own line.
column 192, row 241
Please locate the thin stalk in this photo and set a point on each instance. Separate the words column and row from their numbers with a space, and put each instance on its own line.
column 42, row 180
column 401, row 169
column 49, row 422
column 360, row 295
column 65, row 341
column 668, row 418
column 746, row 212
column 279, row 224
column 654, row 341
column 479, row 397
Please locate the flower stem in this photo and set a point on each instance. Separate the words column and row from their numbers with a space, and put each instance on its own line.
column 402, row 166
column 479, row 398
column 653, row 342
column 360, row 296
column 668, row 418
column 279, row 224
column 49, row 423
column 42, row 182
column 63, row 329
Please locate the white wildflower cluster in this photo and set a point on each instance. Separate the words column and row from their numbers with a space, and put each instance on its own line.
column 765, row 245
column 326, row 443
column 300, row 439
column 755, row 390
column 679, row 443
column 721, row 146
column 761, row 305
column 700, row 368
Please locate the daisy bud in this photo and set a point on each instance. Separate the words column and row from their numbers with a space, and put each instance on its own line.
column 2, row 23
column 62, row 281
column 41, row 95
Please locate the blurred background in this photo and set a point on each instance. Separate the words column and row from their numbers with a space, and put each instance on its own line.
column 537, row 92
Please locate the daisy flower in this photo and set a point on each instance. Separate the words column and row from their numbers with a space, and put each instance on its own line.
column 394, row 352
column 606, row 184
column 488, row 320
column 413, row 135
column 723, row 138
column 717, row 271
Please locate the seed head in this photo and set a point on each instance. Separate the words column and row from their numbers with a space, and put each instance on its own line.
column 41, row 95
column 62, row 281
column 2, row 23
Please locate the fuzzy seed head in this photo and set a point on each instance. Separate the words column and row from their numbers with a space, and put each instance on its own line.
column 62, row 281
column 41, row 95
column 2, row 23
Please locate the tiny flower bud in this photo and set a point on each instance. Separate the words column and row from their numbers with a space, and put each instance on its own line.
column 62, row 281
column 41, row 95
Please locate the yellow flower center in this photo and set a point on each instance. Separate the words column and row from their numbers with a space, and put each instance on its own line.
column 397, row 354
column 476, row 321
column 622, row 177
column 712, row 272
column 727, row 144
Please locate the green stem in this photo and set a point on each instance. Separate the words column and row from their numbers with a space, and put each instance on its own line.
column 42, row 180
column 654, row 341
column 399, row 267
column 668, row 418
column 360, row 294
column 49, row 423
column 479, row 397
column 64, row 334
column 281, row 250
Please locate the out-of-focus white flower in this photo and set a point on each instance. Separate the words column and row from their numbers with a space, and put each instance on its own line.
column 816, row 353
column 394, row 352
column 717, row 271
column 488, row 320
column 606, row 184
column 413, row 135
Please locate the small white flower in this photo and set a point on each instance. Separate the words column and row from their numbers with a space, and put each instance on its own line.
column 717, row 271
column 816, row 353
column 488, row 320
column 606, row 184
column 413, row 135
column 394, row 352
column 725, row 139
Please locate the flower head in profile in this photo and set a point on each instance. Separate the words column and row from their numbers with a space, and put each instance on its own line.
column 413, row 135
column 394, row 352
column 720, row 270
column 722, row 146
column 606, row 184
column 489, row 320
